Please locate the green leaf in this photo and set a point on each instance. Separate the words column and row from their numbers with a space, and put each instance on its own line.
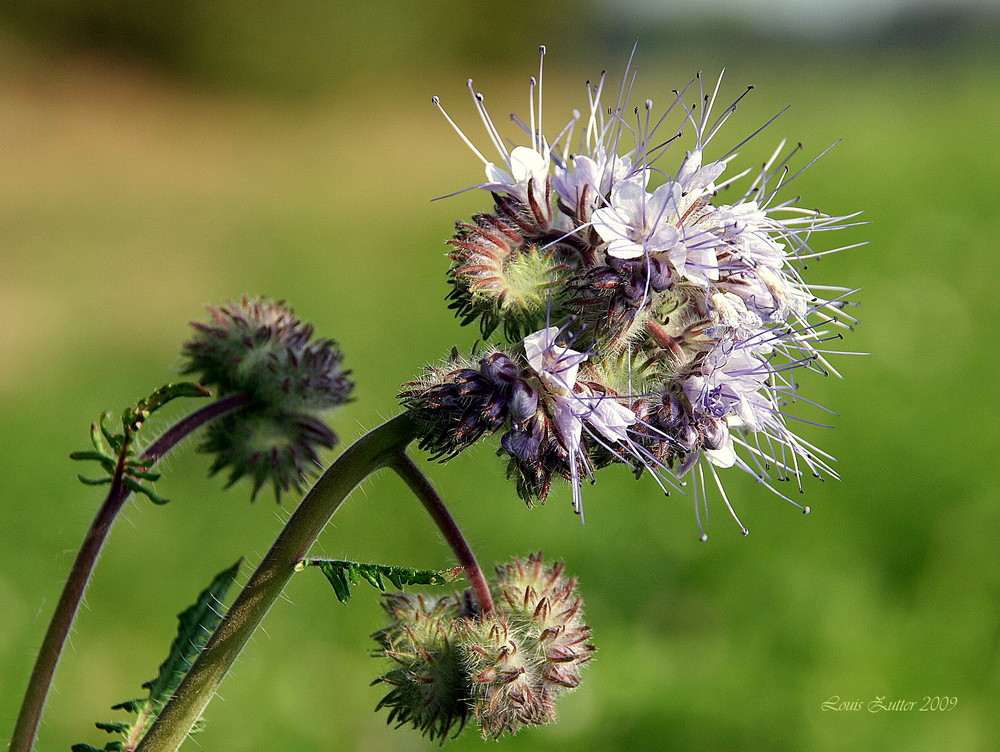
column 137, row 487
column 143, row 474
column 343, row 574
column 96, row 440
column 121, row 444
column 133, row 418
column 92, row 481
column 114, row 728
column 196, row 625
column 88, row 455
column 116, row 440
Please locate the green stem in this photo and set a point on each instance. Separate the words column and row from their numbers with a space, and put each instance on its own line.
column 26, row 729
column 376, row 449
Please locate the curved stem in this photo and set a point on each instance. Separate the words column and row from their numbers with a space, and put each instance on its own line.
column 429, row 497
column 373, row 451
column 26, row 729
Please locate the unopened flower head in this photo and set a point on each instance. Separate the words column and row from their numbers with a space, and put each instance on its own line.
column 506, row 669
column 655, row 313
column 258, row 348
column 429, row 684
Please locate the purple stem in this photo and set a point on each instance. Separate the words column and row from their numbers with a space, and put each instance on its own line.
column 435, row 506
column 26, row 729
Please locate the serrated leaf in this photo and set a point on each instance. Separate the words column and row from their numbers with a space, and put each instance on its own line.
column 121, row 444
column 196, row 625
column 343, row 574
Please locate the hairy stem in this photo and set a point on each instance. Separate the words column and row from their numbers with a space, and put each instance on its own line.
column 26, row 729
column 377, row 449
column 429, row 497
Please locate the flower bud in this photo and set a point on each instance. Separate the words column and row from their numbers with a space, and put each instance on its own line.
column 457, row 407
column 429, row 684
column 499, row 274
column 260, row 349
column 509, row 690
column 505, row 668
column 545, row 603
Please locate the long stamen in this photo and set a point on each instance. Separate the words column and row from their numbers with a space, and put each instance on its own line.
column 437, row 103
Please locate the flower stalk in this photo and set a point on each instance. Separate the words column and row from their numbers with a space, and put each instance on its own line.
column 26, row 729
column 382, row 447
column 429, row 497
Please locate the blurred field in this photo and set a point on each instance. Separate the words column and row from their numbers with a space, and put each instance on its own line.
column 129, row 199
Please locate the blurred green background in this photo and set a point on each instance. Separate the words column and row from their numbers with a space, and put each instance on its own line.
column 155, row 157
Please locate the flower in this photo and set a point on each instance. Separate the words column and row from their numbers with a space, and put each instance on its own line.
column 529, row 172
column 570, row 406
column 637, row 223
column 684, row 293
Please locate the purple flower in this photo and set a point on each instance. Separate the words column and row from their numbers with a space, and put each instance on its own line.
column 684, row 291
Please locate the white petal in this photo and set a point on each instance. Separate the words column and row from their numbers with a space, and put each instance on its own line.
column 724, row 456
column 556, row 365
column 497, row 176
column 624, row 248
column 611, row 419
column 569, row 424
column 527, row 163
column 629, row 198
column 609, row 224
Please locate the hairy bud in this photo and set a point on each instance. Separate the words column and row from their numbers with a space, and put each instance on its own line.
column 506, row 669
column 260, row 349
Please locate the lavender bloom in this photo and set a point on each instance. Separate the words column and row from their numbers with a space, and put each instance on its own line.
column 571, row 406
column 692, row 306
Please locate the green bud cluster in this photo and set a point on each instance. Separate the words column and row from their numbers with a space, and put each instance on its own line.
column 500, row 274
column 259, row 348
column 505, row 668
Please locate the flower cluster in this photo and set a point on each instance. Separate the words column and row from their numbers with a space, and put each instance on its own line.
column 651, row 316
column 259, row 348
column 505, row 668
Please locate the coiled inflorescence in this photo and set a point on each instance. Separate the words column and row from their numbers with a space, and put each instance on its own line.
column 649, row 315
column 506, row 669
column 259, row 348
